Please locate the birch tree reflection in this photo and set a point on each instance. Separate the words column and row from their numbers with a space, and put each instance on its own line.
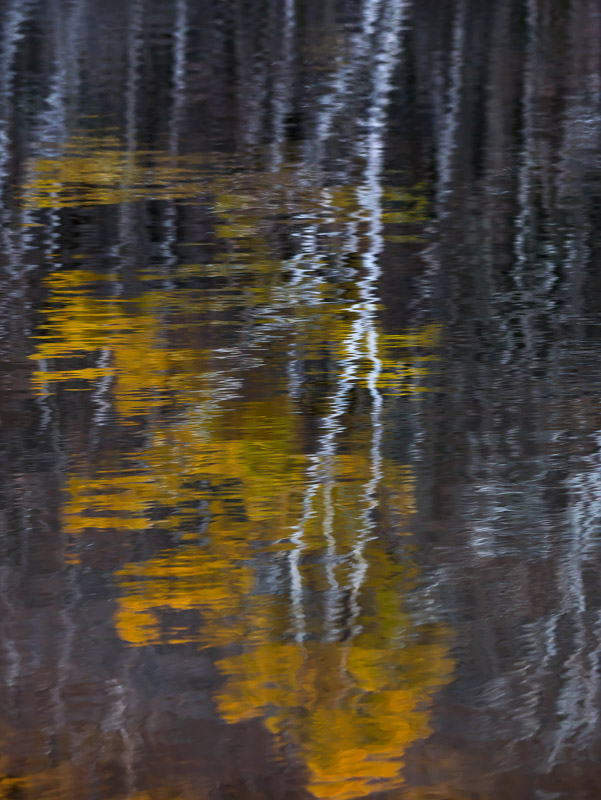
column 299, row 347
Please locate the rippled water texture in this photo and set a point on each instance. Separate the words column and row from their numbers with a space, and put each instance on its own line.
column 300, row 399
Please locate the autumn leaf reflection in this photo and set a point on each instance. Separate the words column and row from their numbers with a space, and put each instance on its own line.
column 352, row 710
column 93, row 170
column 272, row 556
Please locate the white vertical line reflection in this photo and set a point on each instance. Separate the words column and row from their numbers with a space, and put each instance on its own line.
column 320, row 475
column 347, row 68
column 282, row 89
column 178, row 92
column 10, row 36
column 370, row 200
column 134, row 45
column 361, row 342
column 448, row 139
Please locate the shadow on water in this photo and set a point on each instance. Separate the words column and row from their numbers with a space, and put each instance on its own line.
column 301, row 448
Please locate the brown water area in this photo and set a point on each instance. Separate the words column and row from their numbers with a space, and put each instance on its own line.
column 300, row 399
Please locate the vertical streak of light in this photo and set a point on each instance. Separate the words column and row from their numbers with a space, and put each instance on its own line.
column 590, row 705
column 569, row 704
column 13, row 657
column 100, row 394
column 133, row 61
column 347, row 67
column 179, row 74
column 448, row 139
column 579, row 684
column 118, row 714
column 283, row 85
column 178, row 93
column 370, row 199
column 445, row 146
column 527, row 166
column 542, row 639
column 322, row 461
column 53, row 129
column 320, row 472
column 51, row 133
column 14, row 18
column 66, row 642
column 333, row 591
column 307, row 280
column 134, row 45
column 363, row 335
column 253, row 75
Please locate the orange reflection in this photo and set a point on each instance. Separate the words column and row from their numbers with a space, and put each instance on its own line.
column 352, row 710
column 280, row 561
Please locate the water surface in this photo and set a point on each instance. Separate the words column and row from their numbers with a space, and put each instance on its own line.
column 300, row 400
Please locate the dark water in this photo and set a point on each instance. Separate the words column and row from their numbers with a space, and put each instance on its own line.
column 300, row 419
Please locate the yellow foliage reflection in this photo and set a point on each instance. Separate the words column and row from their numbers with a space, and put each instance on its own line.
column 273, row 552
column 92, row 170
column 352, row 710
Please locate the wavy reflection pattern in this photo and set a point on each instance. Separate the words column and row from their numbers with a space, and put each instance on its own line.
column 276, row 561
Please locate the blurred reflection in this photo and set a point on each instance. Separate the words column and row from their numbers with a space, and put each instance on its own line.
column 267, row 533
column 300, row 441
